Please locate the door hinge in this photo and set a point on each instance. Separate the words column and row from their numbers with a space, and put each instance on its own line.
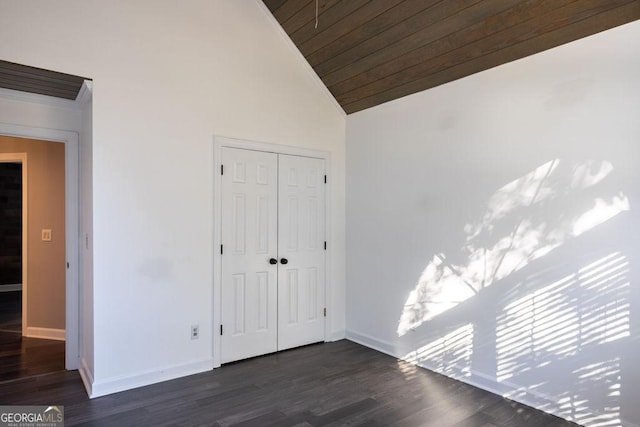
column 325, row 312
column 221, row 249
column 67, row 265
column 220, row 329
column 221, row 169
column 325, row 245
column 325, row 179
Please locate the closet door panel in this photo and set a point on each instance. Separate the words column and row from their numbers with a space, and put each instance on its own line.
column 301, row 231
column 249, row 192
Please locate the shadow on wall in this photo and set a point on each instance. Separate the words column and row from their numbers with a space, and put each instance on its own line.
column 535, row 301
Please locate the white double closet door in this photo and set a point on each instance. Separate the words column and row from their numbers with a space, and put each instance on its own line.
column 273, row 253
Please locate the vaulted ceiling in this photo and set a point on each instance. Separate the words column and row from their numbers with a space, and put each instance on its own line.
column 368, row 52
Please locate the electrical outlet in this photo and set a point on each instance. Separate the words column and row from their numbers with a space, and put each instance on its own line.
column 46, row 235
column 195, row 332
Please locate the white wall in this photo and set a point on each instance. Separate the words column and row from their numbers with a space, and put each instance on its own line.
column 493, row 228
column 168, row 77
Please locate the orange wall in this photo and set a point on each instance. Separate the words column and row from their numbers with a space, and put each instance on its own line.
column 46, row 209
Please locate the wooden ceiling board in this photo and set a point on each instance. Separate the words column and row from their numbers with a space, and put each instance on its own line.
column 584, row 28
column 380, row 23
column 36, row 80
column 357, row 18
column 274, row 4
column 410, row 47
column 371, row 52
column 444, row 57
column 289, row 9
column 307, row 15
column 332, row 15
column 426, row 56
column 38, row 89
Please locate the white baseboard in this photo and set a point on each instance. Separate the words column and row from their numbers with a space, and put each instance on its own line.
column 87, row 376
column 45, row 333
column 374, row 343
column 525, row 396
column 11, row 288
column 336, row 336
column 122, row 383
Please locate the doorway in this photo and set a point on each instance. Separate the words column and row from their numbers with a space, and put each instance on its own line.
column 33, row 244
column 65, row 335
column 11, row 244
column 271, row 266
column 43, row 236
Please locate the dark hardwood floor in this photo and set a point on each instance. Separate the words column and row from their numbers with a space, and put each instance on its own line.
column 19, row 356
column 11, row 311
column 22, row 357
column 339, row 383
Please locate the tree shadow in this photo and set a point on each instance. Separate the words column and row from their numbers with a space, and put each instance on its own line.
column 543, row 315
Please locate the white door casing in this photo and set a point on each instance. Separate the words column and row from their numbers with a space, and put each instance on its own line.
column 271, row 207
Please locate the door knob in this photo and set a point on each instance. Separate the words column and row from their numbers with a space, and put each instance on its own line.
column 273, row 261
column 283, row 261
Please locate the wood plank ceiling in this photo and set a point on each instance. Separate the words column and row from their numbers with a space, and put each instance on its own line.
column 36, row 80
column 368, row 52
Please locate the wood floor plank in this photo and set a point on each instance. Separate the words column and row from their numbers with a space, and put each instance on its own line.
column 330, row 384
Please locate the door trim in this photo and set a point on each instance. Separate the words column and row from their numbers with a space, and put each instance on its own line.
column 72, row 227
column 21, row 158
column 218, row 143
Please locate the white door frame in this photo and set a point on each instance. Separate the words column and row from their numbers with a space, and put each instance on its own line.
column 21, row 158
column 218, row 143
column 72, row 226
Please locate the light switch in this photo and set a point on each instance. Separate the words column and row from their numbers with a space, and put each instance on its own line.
column 46, row 235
